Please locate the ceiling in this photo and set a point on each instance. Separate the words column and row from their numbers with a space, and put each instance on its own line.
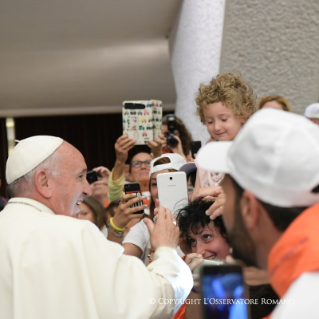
column 79, row 56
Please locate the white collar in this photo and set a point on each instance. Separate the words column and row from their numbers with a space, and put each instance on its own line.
column 30, row 203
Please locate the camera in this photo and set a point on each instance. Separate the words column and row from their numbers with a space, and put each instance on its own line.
column 92, row 177
column 171, row 126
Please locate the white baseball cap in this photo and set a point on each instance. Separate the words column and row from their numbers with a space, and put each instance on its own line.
column 312, row 111
column 28, row 154
column 176, row 162
column 275, row 156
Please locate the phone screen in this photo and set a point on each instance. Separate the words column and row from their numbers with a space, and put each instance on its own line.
column 223, row 292
column 135, row 189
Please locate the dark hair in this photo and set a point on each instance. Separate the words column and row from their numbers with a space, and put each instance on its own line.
column 192, row 176
column 136, row 150
column 185, row 135
column 193, row 217
column 281, row 217
column 139, row 152
column 97, row 209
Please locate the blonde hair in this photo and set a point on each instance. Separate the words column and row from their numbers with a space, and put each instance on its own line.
column 229, row 89
column 277, row 98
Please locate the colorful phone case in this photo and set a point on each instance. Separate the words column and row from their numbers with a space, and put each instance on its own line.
column 143, row 123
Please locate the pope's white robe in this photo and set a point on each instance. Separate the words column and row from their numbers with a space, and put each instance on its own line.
column 59, row 267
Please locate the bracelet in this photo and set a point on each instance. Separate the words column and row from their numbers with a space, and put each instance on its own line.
column 116, row 233
column 116, row 228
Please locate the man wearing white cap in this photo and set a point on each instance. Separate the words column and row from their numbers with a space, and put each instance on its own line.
column 54, row 266
column 312, row 112
column 271, row 212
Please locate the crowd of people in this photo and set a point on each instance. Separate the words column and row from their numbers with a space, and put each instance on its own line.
column 253, row 196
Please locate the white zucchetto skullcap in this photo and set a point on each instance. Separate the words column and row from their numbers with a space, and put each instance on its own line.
column 28, row 154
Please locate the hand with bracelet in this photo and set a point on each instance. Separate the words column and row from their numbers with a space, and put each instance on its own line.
column 124, row 215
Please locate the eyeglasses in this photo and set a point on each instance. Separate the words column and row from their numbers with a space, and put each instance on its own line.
column 139, row 164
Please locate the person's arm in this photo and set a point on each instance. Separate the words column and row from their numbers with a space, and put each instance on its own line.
column 122, row 147
column 193, row 307
column 116, row 178
column 132, row 250
column 122, row 286
column 124, row 214
column 164, row 237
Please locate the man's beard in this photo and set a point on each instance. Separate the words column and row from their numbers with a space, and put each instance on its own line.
column 241, row 243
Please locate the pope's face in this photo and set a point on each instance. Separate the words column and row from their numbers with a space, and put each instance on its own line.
column 69, row 184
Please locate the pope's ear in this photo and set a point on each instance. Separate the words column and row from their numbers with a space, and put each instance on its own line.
column 41, row 181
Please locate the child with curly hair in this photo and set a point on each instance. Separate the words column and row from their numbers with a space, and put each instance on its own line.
column 224, row 105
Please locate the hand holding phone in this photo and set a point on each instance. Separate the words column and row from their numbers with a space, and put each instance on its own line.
column 127, row 210
column 164, row 232
column 135, row 189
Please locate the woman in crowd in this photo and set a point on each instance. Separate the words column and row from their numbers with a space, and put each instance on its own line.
column 137, row 241
column 181, row 134
column 203, row 238
column 276, row 102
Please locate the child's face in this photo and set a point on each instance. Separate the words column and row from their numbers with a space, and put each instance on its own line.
column 221, row 121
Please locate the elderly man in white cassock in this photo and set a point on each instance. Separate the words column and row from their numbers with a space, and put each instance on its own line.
column 55, row 266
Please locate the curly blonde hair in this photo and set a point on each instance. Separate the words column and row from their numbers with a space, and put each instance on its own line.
column 229, row 89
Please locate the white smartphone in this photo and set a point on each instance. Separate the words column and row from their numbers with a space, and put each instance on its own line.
column 172, row 191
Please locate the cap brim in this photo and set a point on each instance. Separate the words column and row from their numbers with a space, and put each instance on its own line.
column 188, row 168
column 213, row 157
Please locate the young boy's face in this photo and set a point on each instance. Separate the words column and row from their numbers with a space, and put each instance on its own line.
column 221, row 121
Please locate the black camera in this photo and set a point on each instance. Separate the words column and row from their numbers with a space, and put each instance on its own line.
column 92, row 177
column 171, row 126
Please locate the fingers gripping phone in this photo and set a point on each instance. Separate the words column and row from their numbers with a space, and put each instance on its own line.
column 135, row 189
column 223, row 292
column 172, row 191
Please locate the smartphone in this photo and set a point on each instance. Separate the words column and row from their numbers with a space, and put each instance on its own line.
column 92, row 177
column 223, row 292
column 172, row 191
column 195, row 146
column 134, row 188
column 207, row 262
column 142, row 120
